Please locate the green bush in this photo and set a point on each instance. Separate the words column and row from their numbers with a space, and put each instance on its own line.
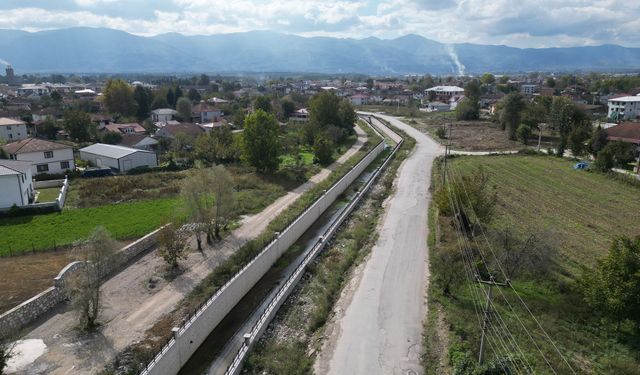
column 441, row 133
column 523, row 133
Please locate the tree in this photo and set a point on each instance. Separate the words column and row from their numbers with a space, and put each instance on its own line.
column 56, row 98
column 118, row 98
column 477, row 199
column 551, row 82
column 612, row 288
column 323, row 150
column 261, row 146
column 488, row 79
column 144, row 100
column 561, row 120
column 49, row 128
column 263, row 103
column 171, row 98
column 159, row 101
column 194, row 95
column 183, row 107
column 472, row 90
column 577, row 139
column 6, row 353
column 467, row 109
column 197, row 200
column 222, row 188
column 216, row 147
column 178, row 93
column 598, row 140
column 3, row 154
column 533, row 255
column 172, row 244
column 512, row 106
column 111, row 138
column 326, row 109
column 287, row 108
column 97, row 253
column 204, row 80
column 78, row 125
column 523, row 133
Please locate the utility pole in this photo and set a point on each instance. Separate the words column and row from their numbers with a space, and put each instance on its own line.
column 486, row 321
column 447, row 148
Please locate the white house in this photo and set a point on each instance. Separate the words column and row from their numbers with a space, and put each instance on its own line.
column 204, row 113
column 359, row 99
column 16, row 183
column 44, row 156
column 446, row 91
column 624, row 108
column 438, row 107
column 528, row 89
column 163, row 114
column 300, row 115
column 12, row 130
column 119, row 158
column 32, row 91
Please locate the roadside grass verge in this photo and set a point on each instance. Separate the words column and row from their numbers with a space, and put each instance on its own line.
column 295, row 336
column 580, row 213
column 140, row 353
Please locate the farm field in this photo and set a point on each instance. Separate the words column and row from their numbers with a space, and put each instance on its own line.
column 578, row 214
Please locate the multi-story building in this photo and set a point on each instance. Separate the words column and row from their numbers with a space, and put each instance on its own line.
column 12, row 130
column 44, row 156
column 624, row 108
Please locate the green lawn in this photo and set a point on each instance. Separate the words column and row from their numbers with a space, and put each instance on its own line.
column 581, row 213
column 41, row 232
column 48, row 194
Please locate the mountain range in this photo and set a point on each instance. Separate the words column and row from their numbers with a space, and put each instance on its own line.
column 100, row 50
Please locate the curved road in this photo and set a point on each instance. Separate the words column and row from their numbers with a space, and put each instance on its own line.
column 380, row 328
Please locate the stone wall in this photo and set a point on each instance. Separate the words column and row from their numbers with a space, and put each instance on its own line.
column 12, row 321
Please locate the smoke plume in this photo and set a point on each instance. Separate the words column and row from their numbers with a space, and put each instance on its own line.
column 456, row 61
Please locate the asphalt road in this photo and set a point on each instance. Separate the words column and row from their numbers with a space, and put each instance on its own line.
column 379, row 330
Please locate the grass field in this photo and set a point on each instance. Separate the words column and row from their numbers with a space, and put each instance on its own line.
column 42, row 232
column 579, row 214
column 48, row 194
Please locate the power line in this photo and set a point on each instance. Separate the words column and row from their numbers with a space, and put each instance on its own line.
column 472, row 275
column 512, row 288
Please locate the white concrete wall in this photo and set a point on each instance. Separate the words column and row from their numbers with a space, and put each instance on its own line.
column 13, row 132
column 99, row 160
column 195, row 331
column 10, row 189
column 138, row 159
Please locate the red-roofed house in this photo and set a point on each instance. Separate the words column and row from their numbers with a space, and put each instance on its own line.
column 133, row 128
column 628, row 132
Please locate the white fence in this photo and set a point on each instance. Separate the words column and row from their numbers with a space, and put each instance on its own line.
column 192, row 334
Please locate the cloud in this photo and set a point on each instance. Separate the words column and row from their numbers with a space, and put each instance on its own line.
column 523, row 23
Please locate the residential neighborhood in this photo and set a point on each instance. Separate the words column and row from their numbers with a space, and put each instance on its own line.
column 328, row 188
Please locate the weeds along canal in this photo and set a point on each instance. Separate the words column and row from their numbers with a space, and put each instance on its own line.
column 219, row 348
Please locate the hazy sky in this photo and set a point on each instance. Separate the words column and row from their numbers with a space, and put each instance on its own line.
column 521, row 23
